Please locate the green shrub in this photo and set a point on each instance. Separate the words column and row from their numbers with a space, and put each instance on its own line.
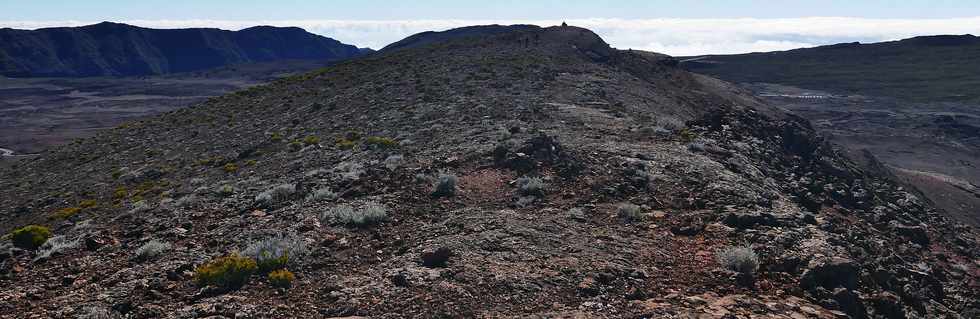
column 120, row 193
column 344, row 143
column 687, row 136
column 30, row 237
column 229, row 272
column 66, row 213
column 225, row 190
column 88, row 203
column 231, row 168
column 310, row 140
column 281, row 278
column 380, row 141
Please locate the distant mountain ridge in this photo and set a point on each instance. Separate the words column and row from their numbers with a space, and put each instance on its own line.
column 431, row 37
column 925, row 68
column 114, row 49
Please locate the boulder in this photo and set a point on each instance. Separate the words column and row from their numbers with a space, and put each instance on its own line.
column 830, row 273
column 436, row 258
column 750, row 220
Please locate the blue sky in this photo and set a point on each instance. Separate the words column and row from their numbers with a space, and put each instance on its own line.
column 486, row 9
column 674, row 27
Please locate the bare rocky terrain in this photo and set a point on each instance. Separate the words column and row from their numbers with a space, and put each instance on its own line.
column 910, row 104
column 536, row 173
column 931, row 146
column 38, row 113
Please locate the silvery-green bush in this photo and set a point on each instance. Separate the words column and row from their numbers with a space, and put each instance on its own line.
column 344, row 214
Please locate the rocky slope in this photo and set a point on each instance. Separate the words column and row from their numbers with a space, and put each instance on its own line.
column 113, row 49
column 573, row 180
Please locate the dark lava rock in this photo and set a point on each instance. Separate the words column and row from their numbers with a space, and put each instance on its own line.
column 849, row 302
column 917, row 234
column 437, row 258
column 750, row 220
column 888, row 305
column 400, row 280
column 830, row 273
column 588, row 287
column 809, row 219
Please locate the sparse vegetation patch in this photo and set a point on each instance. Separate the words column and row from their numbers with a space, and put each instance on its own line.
column 229, row 272
column 276, row 252
column 741, row 259
column 344, row 214
column 445, row 186
column 30, row 237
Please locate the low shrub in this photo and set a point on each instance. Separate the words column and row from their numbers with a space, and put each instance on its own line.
column 370, row 213
column 281, row 278
column 741, row 259
column 380, row 141
column 230, row 272
column 686, row 135
column 120, row 193
column 344, row 143
column 279, row 193
column 66, row 213
column 276, row 252
column 321, row 194
column 525, row 201
column 393, row 162
column 151, row 250
column 310, row 140
column 225, row 190
column 30, row 237
column 445, row 186
column 186, row 201
column 531, row 186
column 230, row 168
column 56, row 244
column 139, row 207
column 629, row 212
column 88, row 203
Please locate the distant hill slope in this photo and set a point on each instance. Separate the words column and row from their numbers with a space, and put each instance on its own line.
column 113, row 49
column 928, row 68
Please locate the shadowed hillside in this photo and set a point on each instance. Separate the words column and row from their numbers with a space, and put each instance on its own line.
column 112, row 49
column 928, row 68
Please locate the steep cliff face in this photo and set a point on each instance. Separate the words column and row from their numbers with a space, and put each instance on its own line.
column 112, row 49
column 532, row 173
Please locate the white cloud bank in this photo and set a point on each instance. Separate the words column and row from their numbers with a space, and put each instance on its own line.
column 672, row 36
